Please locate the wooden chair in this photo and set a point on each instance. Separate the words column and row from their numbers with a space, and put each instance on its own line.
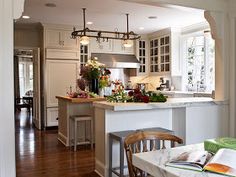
column 144, row 141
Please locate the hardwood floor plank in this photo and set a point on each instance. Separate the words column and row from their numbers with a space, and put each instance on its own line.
column 40, row 154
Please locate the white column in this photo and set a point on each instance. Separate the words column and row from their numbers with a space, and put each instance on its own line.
column 232, row 75
column 7, row 132
column 220, row 33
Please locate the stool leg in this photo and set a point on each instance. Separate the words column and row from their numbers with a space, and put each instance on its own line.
column 75, row 136
column 85, row 130
column 91, row 133
column 110, row 156
column 69, row 135
column 121, row 158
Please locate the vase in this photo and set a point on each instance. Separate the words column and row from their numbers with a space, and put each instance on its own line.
column 94, row 86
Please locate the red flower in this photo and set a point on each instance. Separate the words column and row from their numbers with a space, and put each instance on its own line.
column 130, row 93
column 145, row 99
column 137, row 91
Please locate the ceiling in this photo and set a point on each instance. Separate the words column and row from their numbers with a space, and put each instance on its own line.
column 110, row 14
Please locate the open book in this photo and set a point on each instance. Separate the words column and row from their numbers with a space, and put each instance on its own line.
column 223, row 162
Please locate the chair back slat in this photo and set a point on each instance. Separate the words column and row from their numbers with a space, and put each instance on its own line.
column 142, row 141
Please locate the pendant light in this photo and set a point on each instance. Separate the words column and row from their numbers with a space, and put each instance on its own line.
column 84, row 40
column 127, row 42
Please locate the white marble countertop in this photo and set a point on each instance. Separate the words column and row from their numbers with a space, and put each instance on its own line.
column 154, row 162
column 171, row 103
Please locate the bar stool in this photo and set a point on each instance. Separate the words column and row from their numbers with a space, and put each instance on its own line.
column 74, row 121
column 120, row 137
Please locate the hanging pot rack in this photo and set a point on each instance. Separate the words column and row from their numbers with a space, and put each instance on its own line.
column 104, row 35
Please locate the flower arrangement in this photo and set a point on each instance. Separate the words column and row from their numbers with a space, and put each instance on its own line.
column 118, row 94
column 92, row 69
column 104, row 78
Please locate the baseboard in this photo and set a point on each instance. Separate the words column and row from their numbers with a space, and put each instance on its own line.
column 51, row 128
column 98, row 173
column 62, row 139
column 100, row 168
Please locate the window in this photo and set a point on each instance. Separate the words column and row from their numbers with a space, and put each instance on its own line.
column 199, row 65
column 25, row 76
column 83, row 54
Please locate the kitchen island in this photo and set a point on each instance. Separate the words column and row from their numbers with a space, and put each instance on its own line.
column 72, row 106
column 192, row 119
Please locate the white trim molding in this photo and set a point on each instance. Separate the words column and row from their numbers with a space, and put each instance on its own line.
column 8, row 10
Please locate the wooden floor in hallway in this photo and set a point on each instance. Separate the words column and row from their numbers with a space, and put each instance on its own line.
column 40, row 154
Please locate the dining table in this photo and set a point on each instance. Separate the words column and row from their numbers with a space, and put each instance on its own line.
column 154, row 162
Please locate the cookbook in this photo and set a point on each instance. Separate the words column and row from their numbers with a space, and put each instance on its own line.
column 223, row 162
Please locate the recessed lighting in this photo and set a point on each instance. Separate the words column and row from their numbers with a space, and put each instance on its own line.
column 50, row 5
column 89, row 23
column 141, row 28
column 152, row 17
column 25, row 16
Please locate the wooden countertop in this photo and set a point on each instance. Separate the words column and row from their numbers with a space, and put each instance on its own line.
column 80, row 100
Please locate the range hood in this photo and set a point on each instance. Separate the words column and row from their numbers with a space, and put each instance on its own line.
column 117, row 60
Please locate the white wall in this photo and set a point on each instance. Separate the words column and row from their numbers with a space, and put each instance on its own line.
column 27, row 35
column 7, row 133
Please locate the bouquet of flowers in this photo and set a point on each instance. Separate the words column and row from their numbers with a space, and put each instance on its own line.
column 92, row 69
column 118, row 94
column 104, row 78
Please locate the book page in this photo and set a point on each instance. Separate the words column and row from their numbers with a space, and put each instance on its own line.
column 197, row 157
column 223, row 162
column 194, row 160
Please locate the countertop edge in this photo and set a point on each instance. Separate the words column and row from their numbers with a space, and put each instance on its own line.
column 172, row 103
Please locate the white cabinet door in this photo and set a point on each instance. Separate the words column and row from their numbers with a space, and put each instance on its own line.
column 52, row 117
column 102, row 47
column 67, row 41
column 60, row 76
column 53, row 38
column 62, row 54
column 119, row 48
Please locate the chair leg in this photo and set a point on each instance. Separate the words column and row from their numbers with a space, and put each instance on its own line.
column 121, row 158
column 75, row 136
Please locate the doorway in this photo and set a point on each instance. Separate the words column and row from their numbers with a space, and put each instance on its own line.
column 27, row 83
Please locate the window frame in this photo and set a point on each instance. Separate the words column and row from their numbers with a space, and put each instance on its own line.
column 183, row 55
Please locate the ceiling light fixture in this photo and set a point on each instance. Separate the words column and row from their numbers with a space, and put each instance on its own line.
column 50, row 5
column 152, row 17
column 84, row 34
column 141, row 28
column 25, row 16
column 89, row 23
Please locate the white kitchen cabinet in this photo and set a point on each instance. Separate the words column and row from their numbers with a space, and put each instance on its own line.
column 59, row 38
column 60, row 76
column 142, row 55
column 164, row 53
column 102, row 47
column 52, row 38
column 62, row 54
column 52, row 117
column 120, row 49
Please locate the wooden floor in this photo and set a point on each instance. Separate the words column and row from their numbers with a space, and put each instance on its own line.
column 40, row 154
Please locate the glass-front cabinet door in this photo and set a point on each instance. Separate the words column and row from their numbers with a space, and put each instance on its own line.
column 165, row 53
column 154, row 56
column 142, row 56
column 160, row 54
